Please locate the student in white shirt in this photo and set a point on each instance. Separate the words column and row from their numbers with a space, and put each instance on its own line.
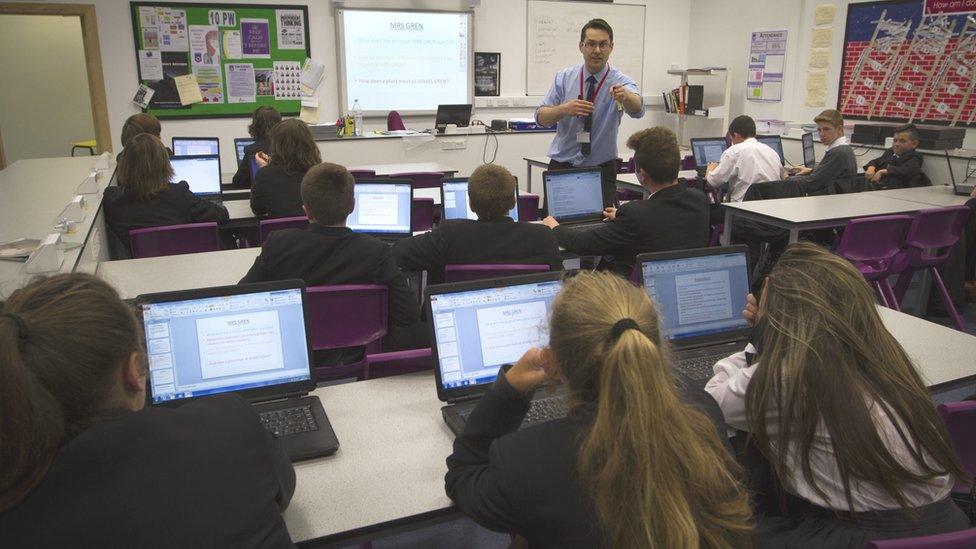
column 746, row 162
column 867, row 456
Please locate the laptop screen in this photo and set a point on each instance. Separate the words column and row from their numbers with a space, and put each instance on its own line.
column 698, row 296
column 239, row 145
column 235, row 342
column 195, row 146
column 202, row 173
column 774, row 142
column 809, row 157
column 477, row 331
column 707, row 150
column 574, row 194
column 459, row 115
column 381, row 207
column 456, row 204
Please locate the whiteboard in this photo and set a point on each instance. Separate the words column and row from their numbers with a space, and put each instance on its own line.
column 552, row 43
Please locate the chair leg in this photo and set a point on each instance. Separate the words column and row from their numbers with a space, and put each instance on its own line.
column 904, row 280
column 881, row 295
column 892, row 299
column 947, row 301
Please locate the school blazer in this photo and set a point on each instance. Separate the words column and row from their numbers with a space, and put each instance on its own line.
column 903, row 171
column 242, row 179
column 277, row 192
column 206, row 474
column 674, row 218
column 466, row 241
column 837, row 163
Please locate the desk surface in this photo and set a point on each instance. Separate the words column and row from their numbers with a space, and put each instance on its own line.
column 239, row 209
column 389, row 169
column 944, row 356
column 132, row 277
column 809, row 209
column 938, row 195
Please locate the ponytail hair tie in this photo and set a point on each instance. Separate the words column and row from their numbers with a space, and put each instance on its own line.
column 622, row 326
column 21, row 325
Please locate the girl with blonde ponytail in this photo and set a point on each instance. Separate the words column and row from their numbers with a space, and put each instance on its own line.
column 633, row 465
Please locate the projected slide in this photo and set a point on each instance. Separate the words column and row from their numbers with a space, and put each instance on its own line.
column 237, row 344
column 508, row 331
column 405, row 60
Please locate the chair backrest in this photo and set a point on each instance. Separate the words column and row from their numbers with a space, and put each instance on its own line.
column 421, row 180
column 394, row 122
column 362, row 174
column 874, row 238
column 528, row 207
column 398, row 362
column 346, row 316
column 952, row 540
column 937, row 227
column 960, row 419
column 460, row 273
column 254, row 169
column 421, row 213
column 631, row 165
column 773, row 189
column 688, row 162
column 174, row 239
column 267, row 226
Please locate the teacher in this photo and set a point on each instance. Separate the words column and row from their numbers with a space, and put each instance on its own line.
column 585, row 102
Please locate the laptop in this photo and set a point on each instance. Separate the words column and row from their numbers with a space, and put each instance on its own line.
column 454, row 199
column 202, row 173
column 707, row 150
column 774, row 142
column 699, row 294
column 196, row 146
column 383, row 208
column 809, row 156
column 478, row 326
column 459, row 115
column 574, row 197
column 239, row 144
column 250, row 339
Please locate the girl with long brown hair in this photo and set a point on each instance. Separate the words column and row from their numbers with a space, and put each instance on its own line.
column 633, row 465
column 834, row 404
column 277, row 189
column 262, row 121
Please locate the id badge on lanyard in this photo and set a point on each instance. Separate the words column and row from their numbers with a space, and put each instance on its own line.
column 583, row 136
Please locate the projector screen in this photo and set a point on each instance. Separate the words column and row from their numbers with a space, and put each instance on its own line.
column 407, row 61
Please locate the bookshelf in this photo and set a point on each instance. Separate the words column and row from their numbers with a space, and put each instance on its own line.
column 715, row 112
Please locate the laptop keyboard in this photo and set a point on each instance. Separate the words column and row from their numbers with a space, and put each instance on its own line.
column 699, row 368
column 540, row 410
column 289, row 421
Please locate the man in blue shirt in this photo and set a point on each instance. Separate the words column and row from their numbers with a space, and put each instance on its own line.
column 586, row 102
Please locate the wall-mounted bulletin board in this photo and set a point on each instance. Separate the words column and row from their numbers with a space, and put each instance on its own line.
column 242, row 56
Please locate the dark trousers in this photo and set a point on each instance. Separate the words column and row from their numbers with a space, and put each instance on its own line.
column 608, row 176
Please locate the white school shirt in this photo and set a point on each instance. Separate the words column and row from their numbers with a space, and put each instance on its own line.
column 728, row 388
column 842, row 140
column 743, row 164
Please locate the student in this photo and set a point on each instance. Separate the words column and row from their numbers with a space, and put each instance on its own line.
column 276, row 191
column 329, row 253
column 838, row 161
column 262, row 121
column 746, row 162
column 85, row 463
column 633, row 465
column 492, row 238
column 146, row 198
column 140, row 123
column 901, row 165
column 867, row 456
column 673, row 217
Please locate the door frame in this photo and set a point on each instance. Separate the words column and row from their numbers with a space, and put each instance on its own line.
column 93, row 60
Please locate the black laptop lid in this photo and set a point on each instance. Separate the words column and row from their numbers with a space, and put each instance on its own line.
column 809, row 156
column 774, row 142
column 459, row 115
column 574, row 195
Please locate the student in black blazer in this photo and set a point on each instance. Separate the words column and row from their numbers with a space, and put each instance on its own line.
column 901, row 165
column 86, row 464
column 139, row 123
column 277, row 188
column 262, row 121
column 146, row 198
column 492, row 238
column 672, row 218
column 838, row 162
column 330, row 253
column 616, row 471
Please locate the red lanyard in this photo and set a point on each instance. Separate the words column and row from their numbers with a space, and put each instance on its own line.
column 596, row 92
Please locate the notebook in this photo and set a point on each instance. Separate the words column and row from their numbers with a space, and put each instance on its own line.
column 202, row 173
column 249, row 339
column 699, row 294
column 454, row 198
column 574, row 197
column 239, row 144
column 774, row 142
column 383, row 208
column 707, row 150
column 478, row 326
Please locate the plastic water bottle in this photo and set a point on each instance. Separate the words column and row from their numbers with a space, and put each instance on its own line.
column 357, row 115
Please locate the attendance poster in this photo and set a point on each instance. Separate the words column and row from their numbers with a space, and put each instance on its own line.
column 767, row 59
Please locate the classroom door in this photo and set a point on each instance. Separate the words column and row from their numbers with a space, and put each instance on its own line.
column 45, row 104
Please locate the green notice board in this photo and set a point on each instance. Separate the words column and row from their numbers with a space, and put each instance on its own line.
column 242, row 55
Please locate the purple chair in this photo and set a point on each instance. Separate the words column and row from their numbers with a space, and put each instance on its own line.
column 937, row 228
column 713, row 238
column 631, row 165
column 394, row 122
column 528, row 207
column 268, row 225
column 362, row 174
column 688, row 162
column 625, row 195
column 398, row 362
column 872, row 244
column 421, row 180
column 960, row 420
column 421, row 213
column 353, row 315
column 460, row 273
column 954, row 540
column 174, row 240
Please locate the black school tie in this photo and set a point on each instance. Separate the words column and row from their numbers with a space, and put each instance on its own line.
column 588, row 120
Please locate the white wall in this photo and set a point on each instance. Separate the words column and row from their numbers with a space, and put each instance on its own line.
column 45, row 103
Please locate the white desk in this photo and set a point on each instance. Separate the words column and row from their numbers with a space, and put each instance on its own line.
column 935, row 196
column 390, row 169
column 946, row 358
column 239, row 209
column 133, row 277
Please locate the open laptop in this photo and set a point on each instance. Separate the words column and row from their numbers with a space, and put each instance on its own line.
column 774, row 142
column 454, row 198
column 249, row 339
column 459, row 115
column 383, row 208
column 196, row 146
column 239, row 144
column 202, row 173
column 809, row 155
column 574, row 197
column 478, row 326
column 707, row 150
column 700, row 295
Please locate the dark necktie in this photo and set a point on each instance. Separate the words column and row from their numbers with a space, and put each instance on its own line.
column 588, row 120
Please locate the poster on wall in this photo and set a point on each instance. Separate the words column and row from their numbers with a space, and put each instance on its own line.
column 487, row 73
column 767, row 59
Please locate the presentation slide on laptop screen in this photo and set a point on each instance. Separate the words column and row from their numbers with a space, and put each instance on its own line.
column 381, row 208
column 457, row 205
column 774, row 142
column 195, row 147
column 478, row 331
column 707, row 151
column 219, row 344
column 698, row 296
column 201, row 173
column 572, row 195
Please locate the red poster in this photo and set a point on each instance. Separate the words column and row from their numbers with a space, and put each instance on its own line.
column 949, row 6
